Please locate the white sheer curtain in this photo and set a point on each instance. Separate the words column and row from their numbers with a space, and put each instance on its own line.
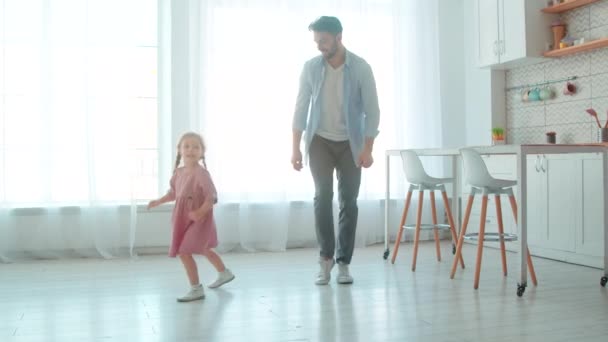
column 242, row 67
column 81, row 138
column 77, row 125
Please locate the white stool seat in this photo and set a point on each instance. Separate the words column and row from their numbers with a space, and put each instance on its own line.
column 477, row 175
column 415, row 173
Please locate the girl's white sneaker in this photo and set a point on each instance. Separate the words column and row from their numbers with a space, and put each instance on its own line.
column 222, row 278
column 196, row 293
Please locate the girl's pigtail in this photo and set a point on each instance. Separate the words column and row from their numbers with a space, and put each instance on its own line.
column 178, row 159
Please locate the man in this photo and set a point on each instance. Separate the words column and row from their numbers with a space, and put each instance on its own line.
column 337, row 106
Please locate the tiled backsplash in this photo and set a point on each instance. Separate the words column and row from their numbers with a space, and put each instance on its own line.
column 527, row 122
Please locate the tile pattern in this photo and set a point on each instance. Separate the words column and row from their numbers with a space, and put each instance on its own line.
column 601, row 103
column 599, row 14
column 568, row 113
column 574, row 133
column 533, row 116
column 565, row 114
column 598, row 61
column 578, row 20
column 600, row 85
column 527, row 135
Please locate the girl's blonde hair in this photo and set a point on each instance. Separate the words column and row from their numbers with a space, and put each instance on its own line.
column 187, row 135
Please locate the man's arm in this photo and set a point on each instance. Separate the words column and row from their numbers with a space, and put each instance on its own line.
column 296, row 154
column 297, row 137
column 300, row 118
column 369, row 96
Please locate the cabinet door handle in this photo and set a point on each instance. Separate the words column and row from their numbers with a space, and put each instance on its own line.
column 542, row 163
column 536, row 163
column 495, row 48
column 502, row 47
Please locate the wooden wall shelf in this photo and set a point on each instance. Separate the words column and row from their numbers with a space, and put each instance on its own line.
column 596, row 44
column 568, row 5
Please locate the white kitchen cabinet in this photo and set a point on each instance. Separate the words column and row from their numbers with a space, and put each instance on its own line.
column 590, row 238
column 511, row 32
column 554, row 201
column 565, row 207
column 537, row 197
column 563, row 200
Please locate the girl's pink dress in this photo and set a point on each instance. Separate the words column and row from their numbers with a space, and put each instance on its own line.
column 190, row 188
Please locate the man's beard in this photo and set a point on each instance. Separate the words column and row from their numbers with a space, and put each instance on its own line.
column 330, row 54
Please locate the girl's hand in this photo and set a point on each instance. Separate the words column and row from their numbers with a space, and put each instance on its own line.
column 195, row 215
column 153, row 204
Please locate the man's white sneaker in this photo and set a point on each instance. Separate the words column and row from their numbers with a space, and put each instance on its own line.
column 325, row 271
column 222, row 278
column 344, row 276
column 196, row 293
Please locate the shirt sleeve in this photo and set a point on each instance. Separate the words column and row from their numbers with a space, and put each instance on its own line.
column 369, row 96
column 300, row 116
column 208, row 187
column 171, row 191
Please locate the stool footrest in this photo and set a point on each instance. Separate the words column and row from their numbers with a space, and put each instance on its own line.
column 491, row 236
column 428, row 226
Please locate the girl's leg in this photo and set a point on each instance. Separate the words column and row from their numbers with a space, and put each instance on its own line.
column 224, row 274
column 191, row 269
column 215, row 260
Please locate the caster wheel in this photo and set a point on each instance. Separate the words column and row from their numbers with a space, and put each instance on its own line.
column 385, row 256
column 520, row 290
column 604, row 281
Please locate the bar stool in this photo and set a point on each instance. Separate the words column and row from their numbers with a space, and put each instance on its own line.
column 421, row 181
column 480, row 180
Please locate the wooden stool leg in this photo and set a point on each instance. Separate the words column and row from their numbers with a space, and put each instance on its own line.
column 435, row 230
column 501, row 231
column 528, row 257
column 482, row 228
column 400, row 234
column 461, row 237
column 446, row 203
column 531, row 267
column 417, row 233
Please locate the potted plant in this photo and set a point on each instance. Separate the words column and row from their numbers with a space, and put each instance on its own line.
column 498, row 136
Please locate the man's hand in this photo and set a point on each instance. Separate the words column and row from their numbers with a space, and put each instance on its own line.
column 296, row 160
column 365, row 158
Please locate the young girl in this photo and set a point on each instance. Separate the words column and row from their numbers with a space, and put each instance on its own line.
column 193, row 225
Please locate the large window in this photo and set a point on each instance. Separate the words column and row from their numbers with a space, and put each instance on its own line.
column 78, row 101
column 252, row 87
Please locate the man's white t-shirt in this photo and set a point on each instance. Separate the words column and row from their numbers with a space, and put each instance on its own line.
column 332, row 123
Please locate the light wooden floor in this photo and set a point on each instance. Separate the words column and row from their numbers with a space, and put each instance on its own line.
column 274, row 299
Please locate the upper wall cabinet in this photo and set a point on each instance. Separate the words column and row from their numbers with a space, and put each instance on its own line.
column 511, row 32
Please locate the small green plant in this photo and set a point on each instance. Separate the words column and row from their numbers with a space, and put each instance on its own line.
column 498, row 133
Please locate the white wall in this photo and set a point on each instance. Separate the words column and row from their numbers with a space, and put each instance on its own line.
column 452, row 72
column 478, row 85
column 472, row 99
